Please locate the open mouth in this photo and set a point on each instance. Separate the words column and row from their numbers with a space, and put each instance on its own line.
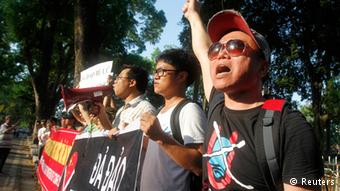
column 222, row 70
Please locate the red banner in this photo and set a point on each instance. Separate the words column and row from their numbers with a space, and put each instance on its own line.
column 54, row 158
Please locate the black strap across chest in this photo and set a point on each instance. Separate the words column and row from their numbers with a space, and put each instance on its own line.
column 174, row 120
column 267, row 137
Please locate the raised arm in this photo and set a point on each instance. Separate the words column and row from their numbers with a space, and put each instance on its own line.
column 200, row 42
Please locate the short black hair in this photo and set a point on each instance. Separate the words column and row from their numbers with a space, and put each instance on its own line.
column 67, row 115
column 139, row 74
column 182, row 61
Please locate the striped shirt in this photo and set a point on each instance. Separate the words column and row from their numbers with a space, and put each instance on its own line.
column 131, row 111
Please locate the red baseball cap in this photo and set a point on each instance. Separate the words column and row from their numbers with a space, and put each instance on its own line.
column 229, row 20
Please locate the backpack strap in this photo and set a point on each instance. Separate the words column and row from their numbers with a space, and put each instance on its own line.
column 267, row 139
column 195, row 181
column 174, row 120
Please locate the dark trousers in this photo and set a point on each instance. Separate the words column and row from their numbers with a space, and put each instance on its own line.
column 41, row 148
column 3, row 156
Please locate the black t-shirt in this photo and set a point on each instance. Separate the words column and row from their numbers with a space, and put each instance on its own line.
column 234, row 166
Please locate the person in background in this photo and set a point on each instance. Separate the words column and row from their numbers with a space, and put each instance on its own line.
column 235, row 60
column 35, row 132
column 6, row 134
column 48, row 127
column 168, row 163
column 41, row 137
column 68, row 121
column 109, row 103
column 53, row 122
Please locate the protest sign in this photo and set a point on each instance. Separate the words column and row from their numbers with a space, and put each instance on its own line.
column 95, row 75
column 92, row 86
column 99, row 163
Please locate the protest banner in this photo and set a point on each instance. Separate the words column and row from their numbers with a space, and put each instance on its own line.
column 54, row 158
column 99, row 163
column 96, row 75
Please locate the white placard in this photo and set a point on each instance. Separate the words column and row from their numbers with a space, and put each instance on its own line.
column 96, row 75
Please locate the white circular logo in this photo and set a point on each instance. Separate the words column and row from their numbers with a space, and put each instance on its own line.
column 293, row 181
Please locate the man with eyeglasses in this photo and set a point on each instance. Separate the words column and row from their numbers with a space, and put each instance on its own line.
column 167, row 162
column 234, row 60
column 130, row 85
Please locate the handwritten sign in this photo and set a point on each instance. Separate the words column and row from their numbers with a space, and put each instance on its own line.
column 96, row 75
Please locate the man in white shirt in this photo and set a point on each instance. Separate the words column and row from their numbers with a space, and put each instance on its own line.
column 167, row 162
column 130, row 86
column 6, row 134
column 41, row 132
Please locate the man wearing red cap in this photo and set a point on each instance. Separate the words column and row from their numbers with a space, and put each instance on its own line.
column 235, row 60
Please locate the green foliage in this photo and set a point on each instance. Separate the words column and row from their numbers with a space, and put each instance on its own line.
column 37, row 46
column 18, row 101
column 154, row 55
column 132, row 59
column 308, row 113
column 331, row 99
column 127, row 25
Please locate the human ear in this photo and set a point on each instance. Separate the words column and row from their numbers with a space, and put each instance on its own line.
column 132, row 83
column 182, row 76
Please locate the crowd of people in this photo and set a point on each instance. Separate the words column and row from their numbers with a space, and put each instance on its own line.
column 234, row 60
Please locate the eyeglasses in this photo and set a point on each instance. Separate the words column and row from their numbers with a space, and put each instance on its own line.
column 161, row 72
column 121, row 77
column 234, row 47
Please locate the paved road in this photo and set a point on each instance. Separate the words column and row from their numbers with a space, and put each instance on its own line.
column 19, row 169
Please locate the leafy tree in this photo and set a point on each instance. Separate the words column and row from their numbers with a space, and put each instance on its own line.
column 331, row 118
column 106, row 29
column 37, row 39
column 40, row 32
column 16, row 93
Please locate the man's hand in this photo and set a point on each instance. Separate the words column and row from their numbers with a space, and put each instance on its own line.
column 149, row 124
column 190, row 7
column 113, row 132
column 109, row 80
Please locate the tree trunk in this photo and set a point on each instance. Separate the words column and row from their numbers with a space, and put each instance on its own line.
column 316, row 100
column 316, row 105
column 86, row 36
column 326, row 125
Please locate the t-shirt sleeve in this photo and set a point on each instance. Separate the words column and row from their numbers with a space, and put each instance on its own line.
column 2, row 129
column 301, row 158
column 41, row 131
column 193, row 123
column 149, row 108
